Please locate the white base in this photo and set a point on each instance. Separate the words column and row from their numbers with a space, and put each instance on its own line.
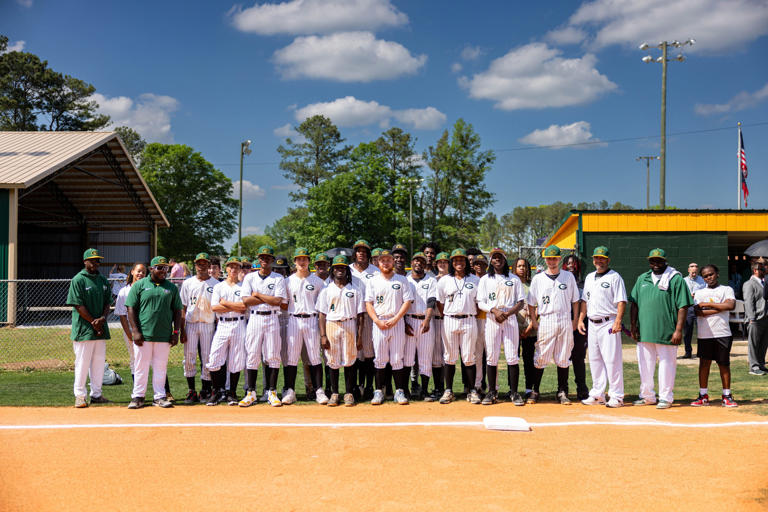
column 506, row 423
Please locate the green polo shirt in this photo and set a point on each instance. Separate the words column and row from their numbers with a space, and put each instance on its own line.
column 93, row 292
column 657, row 309
column 155, row 304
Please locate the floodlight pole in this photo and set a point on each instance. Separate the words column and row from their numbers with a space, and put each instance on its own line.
column 244, row 148
column 663, row 149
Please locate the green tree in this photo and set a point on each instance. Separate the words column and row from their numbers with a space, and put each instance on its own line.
column 21, row 75
column 251, row 244
column 132, row 141
column 317, row 157
column 195, row 197
column 490, row 231
column 67, row 102
column 285, row 229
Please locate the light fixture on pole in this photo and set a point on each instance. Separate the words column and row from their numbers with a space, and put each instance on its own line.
column 663, row 46
column 410, row 182
column 245, row 149
column 647, row 178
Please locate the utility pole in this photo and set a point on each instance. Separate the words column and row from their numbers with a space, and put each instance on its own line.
column 647, row 178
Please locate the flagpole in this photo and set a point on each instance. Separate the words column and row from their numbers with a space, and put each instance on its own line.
column 738, row 166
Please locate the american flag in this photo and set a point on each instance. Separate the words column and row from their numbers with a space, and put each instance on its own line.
column 743, row 165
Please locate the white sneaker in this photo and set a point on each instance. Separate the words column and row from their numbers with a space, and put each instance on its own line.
column 400, row 397
column 320, row 397
column 594, row 400
column 615, row 403
column 273, row 400
column 378, row 397
column 248, row 400
column 289, row 397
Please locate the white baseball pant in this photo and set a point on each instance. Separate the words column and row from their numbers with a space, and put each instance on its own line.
column 367, row 351
column 646, row 361
column 437, row 347
column 302, row 332
column 228, row 346
column 605, row 362
column 498, row 333
column 129, row 346
column 154, row 354
column 423, row 343
column 389, row 345
column 341, row 336
column 198, row 334
column 89, row 361
column 555, row 341
column 262, row 333
column 459, row 335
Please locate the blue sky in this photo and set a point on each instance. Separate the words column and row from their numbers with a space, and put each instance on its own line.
column 525, row 74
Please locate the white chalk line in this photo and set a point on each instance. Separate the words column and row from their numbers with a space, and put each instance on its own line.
column 401, row 424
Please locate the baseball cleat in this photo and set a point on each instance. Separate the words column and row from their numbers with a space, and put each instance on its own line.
column 703, row 400
column 378, row 397
column 447, row 397
column 644, row 401
column 474, row 397
column 349, row 399
column 169, row 397
column 728, row 401
column 264, row 397
column 532, row 397
column 205, row 394
column 247, row 401
column 400, row 397
column 80, row 402
column 99, row 400
column 322, row 398
column 517, row 399
column 192, row 397
column 489, row 398
column 434, row 396
column 663, row 404
column 594, row 400
column 273, row 400
column 136, row 403
column 289, row 397
column 162, row 402
column 615, row 403
column 232, row 399
column 562, row 398
column 333, row 401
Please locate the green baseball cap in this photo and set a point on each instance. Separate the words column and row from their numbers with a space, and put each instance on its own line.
column 419, row 255
column 340, row 259
column 443, row 256
column 458, row 252
column 202, row 256
column 246, row 262
column 321, row 256
column 92, row 254
column 299, row 252
column 376, row 252
column 498, row 250
column 657, row 253
column 158, row 260
column 552, row 251
column 266, row 250
column 235, row 260
column 601, row 251
column 399, row 248
column 385, row 252
column 480, row 258
column 361, row 243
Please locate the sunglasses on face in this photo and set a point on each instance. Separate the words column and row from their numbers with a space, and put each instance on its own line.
column 161, row 267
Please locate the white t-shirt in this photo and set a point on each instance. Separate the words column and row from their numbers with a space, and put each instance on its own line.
column 388, row 295
column 499, row 291
column 120, row 309
column 422, row 290
column 458, row 296
column 553, row 296
column 302, row 293
column 273, row 284
column 603, row 294
column 713, row 326
column 192, row 292
column 231, row 293
column 341, row 303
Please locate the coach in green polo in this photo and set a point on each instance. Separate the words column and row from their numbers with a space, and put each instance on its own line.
column 90, row 297
column 154, row 312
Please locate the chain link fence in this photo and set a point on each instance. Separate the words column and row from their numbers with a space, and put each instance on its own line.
column 35, row 326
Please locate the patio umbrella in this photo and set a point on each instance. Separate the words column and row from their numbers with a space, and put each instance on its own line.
column 331, row 253
column 758, row 249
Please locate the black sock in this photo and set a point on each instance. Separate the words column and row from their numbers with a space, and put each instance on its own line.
column 191, row 383
column 327, row 377
column 167, row 386
column 370, row 372
column 234, row 378
column 464, row 378
column 539, row 373
column 205, row 384
column 424, row 385
column 513, row 377
column 562, row 379
column 388, row 379
column 251, row 378
column 438, row 379
column 349, row 379
column 380, row 376
column 335, row 380
column 491, row 372
column 316, row 372
column 401, row 378
column 289, row 377
column 471, row 375
column 359, row 366
column 450, row 373
column 273, row 378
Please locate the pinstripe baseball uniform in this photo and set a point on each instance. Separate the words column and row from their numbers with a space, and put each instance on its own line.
column 553, row 296
column 263, row 331
column 341, row 306
column 458, row 297
column 602, row 294
column 302, row 319
column 198, row 323
column 424, row 343
column 228, row 344
column 503, row 293
column 365, row 276
column 387, row 297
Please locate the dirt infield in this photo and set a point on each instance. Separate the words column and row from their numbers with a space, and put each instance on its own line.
column 437, row 467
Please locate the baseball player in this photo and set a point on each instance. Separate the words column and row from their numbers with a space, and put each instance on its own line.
column 364, row 271
column 280, row 266
column 430, row 250
column 501, row 296
column 479, row 268
column 228, row 344
column 303, row 289
column 400, row 256
column 263, row 292
column 457, row 303
column 323, row 267
column 424, row 289
column 199, row 324
column 90, row 297
column 554, row 297
column 442, row 267
column 341, row 309
column 603, row 305
column 387, row 299
column 375, row 257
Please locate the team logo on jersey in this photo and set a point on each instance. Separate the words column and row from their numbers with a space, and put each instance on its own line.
column 509, row 283
column 237, row 293
column 271, row 286
column 368, row 276
column 310, row 287
column 210, row 289
column 166, row 291
column 395, row 286
column 425, row 286
column 587, row 295
column 605, row 285
column 350, row 294
column 104, row 286
column 562, row 286
column 469, row 286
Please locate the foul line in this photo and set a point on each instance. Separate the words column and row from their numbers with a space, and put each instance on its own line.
column 638, row 423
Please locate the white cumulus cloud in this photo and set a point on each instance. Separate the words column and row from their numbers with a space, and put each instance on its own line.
column 741, row 101
column 471, row 52
column 561, row 135
column 536, row 76
column 250, row 190
column 350, row 111
column 716, row 25
column 149, row 114
column 253, row 230
column 456, row 67
column 317, row 16
column 16, row 46
column 346, row 57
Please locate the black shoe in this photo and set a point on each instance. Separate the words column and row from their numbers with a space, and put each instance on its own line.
column 517, row 399
column 136, row 403
column 232, row 399
column 367, row 394
column 192, row 397
column 99, row 400
column 205, row 394
column 490, row 398
column 434, row 396
column 582, row 394
column 415, row 389
column 532, row 397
